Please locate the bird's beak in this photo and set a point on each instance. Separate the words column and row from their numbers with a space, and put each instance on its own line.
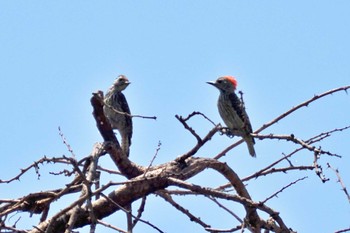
column 211, row 83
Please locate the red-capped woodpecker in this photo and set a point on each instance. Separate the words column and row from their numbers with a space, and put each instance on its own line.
column 232, row 111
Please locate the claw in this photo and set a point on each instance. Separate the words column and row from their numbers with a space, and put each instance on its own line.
column 227, row 132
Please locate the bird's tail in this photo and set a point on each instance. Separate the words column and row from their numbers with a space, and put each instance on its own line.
column 125, row 144
column 250, row 143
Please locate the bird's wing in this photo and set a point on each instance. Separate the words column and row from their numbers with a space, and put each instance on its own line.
column 125, row 108
column 240, row 110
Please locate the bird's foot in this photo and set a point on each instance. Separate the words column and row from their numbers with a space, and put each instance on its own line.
column 227, row 132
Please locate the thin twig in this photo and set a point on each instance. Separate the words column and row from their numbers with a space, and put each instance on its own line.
column 340, row 180
column 282, row 189
column 141, row 220
column 200, row 143
column 201, row 114
column 79, row 201
column 153, row 158
column 140, row 211
column 324, row 135
column 35, row 165
column 65, row 142
column 213, row 230
column 110, row 226
column 343, row 230
column 109, row 171
column 183, row 122
column 169, row 199
column 318, row 169
column 277, row 170
column 130, row 115
column 296, row 140
column 226, row 209
column 12, row 229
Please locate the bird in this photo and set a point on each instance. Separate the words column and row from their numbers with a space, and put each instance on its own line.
column 117, row 111
column 232, row 111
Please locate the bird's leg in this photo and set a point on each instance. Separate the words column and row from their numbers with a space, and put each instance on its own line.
column 226, row 131
column 229, row 133
column 223, row 130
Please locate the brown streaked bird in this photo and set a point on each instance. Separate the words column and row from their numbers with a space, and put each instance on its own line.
column 117, row 110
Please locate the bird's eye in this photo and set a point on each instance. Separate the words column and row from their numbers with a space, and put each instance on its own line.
column 219, row 81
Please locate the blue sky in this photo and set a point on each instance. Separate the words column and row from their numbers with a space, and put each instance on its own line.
column 54, row 54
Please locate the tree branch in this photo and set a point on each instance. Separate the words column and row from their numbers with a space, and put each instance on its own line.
column 282, row 189
column 340, row 180
column 167, row 197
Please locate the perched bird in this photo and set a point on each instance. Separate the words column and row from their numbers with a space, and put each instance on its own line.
column 116, row 109
column 232, row 111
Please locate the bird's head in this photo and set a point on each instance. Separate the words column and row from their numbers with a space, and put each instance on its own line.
column 121, row 83
column 225, row 84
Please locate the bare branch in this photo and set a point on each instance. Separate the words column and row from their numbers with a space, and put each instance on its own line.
column 244, row 201
column 130, row 115
column 109, row 171
column 324, row 135
column 184, row 123
column 282, row 189
column 139, row 219
column 226, row 209
column 213, row 230
column 304, row 104
column 140, row 211
column 200, row 143
column 12, row 229
column 167, row 197
column 343, row 230
column 201, row 114
column 35, row 165
column 340, row 180
column 110, row 226
column 65, row 142
column 292, row 138
column 318, row 169
column 154, row 157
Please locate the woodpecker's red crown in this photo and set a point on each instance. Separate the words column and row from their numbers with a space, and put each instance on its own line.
column 232, row 80
column 226, row 84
